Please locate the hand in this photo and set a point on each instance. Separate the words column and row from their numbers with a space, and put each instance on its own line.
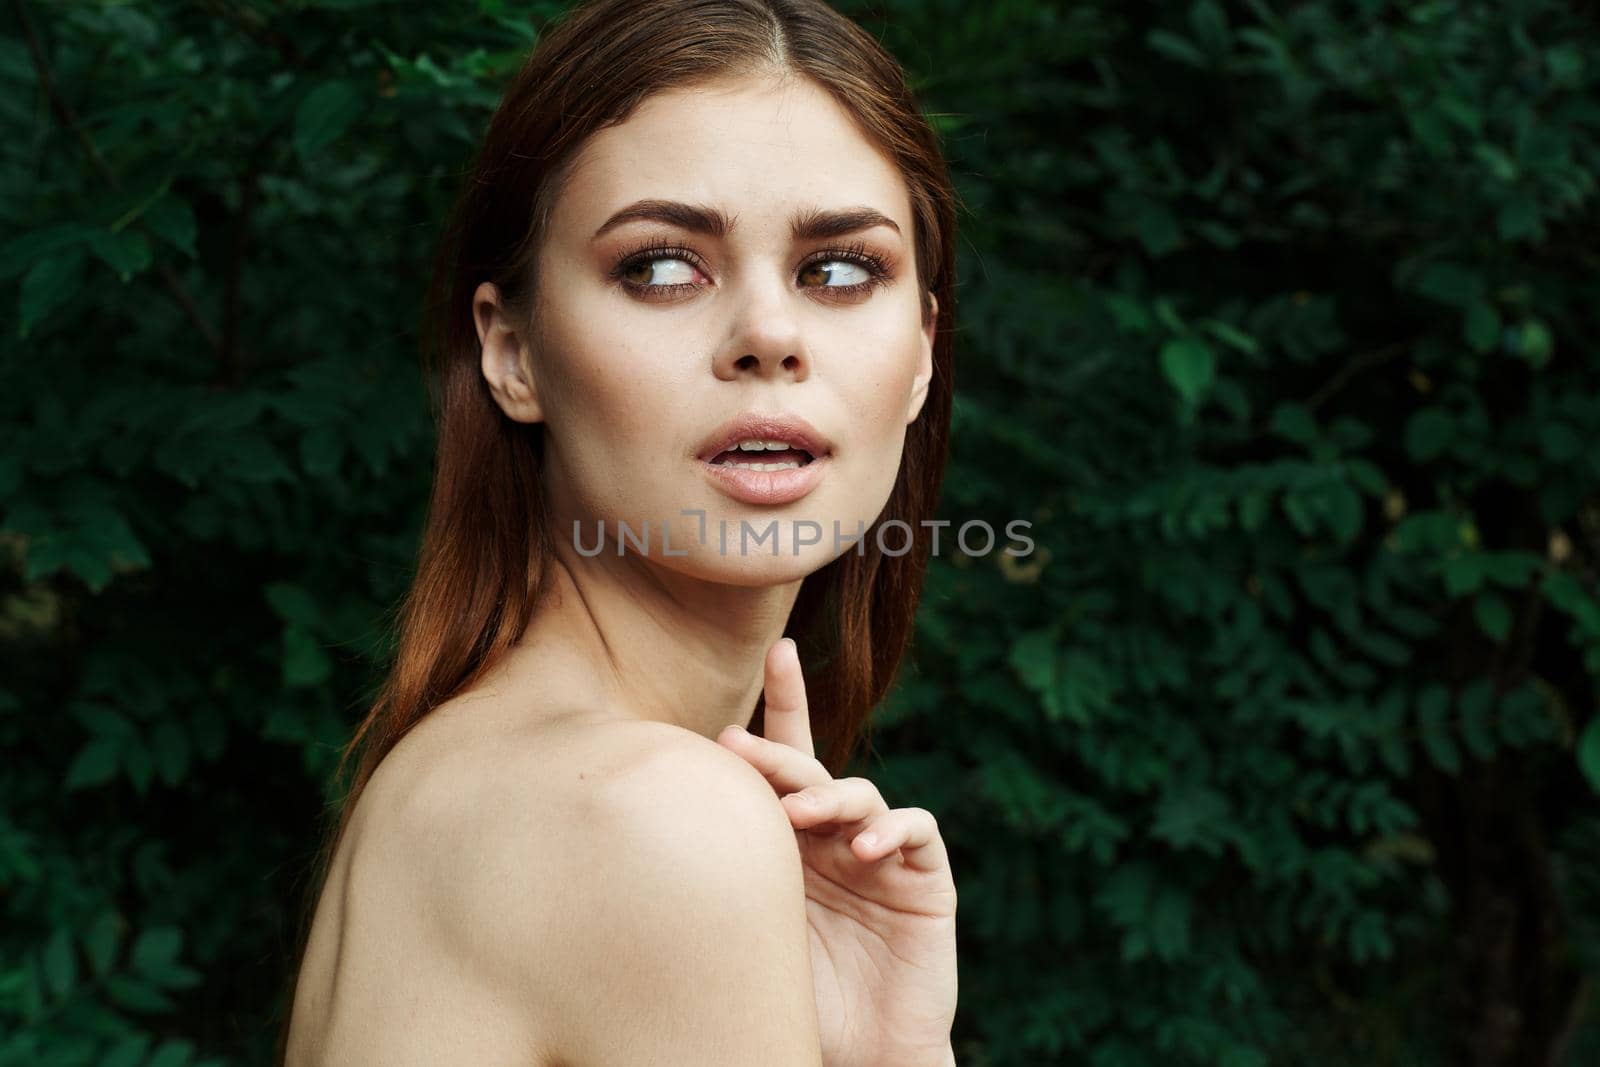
column 882, row 912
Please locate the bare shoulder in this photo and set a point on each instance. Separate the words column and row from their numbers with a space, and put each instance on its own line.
column 631, row 882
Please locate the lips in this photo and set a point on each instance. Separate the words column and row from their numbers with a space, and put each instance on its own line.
column 791, row 428
column 769, row 488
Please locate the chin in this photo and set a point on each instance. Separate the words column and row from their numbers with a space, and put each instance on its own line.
column 759, row 567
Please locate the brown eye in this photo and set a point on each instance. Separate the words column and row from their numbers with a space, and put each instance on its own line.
column 829, row 269
column 640, row 271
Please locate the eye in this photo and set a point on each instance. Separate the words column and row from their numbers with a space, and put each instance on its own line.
column 847, row 274
column 856, row 262
column 854, row 273
column 638, row 271
column 642, row 271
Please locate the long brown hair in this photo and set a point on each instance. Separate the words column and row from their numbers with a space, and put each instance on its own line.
column 486, row 545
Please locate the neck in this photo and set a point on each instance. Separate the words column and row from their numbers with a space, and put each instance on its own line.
column 636, row 640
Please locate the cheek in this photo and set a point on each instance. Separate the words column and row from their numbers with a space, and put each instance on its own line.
column 607, row 382
column 613, row 409
column 877, row 376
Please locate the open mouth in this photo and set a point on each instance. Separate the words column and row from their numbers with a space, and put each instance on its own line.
column 763, row 459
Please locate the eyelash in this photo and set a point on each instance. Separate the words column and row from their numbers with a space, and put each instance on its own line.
column 877, row 269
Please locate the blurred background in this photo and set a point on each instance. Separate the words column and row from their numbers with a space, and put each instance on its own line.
column 1277, row 320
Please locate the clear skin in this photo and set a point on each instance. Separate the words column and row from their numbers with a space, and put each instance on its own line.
column 628, row 381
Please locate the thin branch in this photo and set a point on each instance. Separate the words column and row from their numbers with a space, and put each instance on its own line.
column 252, row 23
column 232, row 303
column 1569, row 1025
column 1357, row 363
column 69, row 119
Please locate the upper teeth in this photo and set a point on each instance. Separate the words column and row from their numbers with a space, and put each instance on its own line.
column 757, row 445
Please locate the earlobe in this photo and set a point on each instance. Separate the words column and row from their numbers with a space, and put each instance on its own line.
column 505, row 363
column 919, row 385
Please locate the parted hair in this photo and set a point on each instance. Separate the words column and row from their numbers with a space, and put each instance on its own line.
column 487, row 544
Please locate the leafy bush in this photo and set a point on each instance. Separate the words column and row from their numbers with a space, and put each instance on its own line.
column 1277, row 323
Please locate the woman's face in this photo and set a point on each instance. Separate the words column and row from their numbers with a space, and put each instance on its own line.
column 654, row 332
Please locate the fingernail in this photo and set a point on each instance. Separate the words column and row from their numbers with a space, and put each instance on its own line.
column 736, row 726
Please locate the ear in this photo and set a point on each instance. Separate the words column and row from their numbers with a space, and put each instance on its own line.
column 507, row 363
column 919, row 385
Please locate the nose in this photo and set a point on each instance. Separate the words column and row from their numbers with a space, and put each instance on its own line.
column 766, row 342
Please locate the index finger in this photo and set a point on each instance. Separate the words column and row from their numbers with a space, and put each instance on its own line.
column 786, row 718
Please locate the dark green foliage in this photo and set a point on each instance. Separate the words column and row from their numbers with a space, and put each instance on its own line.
column 1277, row 322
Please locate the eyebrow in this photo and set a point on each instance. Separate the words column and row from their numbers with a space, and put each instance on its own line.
column 806, row 225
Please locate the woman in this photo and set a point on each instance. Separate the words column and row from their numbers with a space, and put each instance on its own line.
column 697, row 230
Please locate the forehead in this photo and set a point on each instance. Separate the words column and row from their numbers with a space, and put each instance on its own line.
column 755, row 147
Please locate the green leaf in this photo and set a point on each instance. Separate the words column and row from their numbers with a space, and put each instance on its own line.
column 1352, row 435
column 1565, row 62
column 125, row 251
column 1589, row 753
column 1157, row 227
column 140, row 764
column 1369, row 938
column 1463, row 573
column 95, row 763
column 1493, row 614
column 1085, row 687
column 1525, row 716
column 1501, row 166
column 1427, row 530
column 1433, row 708
column 23, row 253
column 103, row 720
column 1346, row 514
column 50, row 284
column 136, row 995
column 129, row 1053
column 305, row 661
column 1428, row 433
column 1131, row 316
column 101, row 940
column 1229, row 334
column 1481, row 326
column 1293, row 420
column 1533, row 343
column 1512, row 569
column 1477, row 725
column 60, row 963
column 324, row 115
column 321, row 451
column 174, row 1052
column 170, row 748
column 156, row 947
column 1169, row 922
column 1389, row 718
column 293, row 603
column 1254, row 507
column 1210, row 25
column 1561, row 442
column 1126, row 893
column 1191, row 815
column 172, row 219
column 1519, row 217
column 1189, row 365
column 1450, row 283
column 1170, row 44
